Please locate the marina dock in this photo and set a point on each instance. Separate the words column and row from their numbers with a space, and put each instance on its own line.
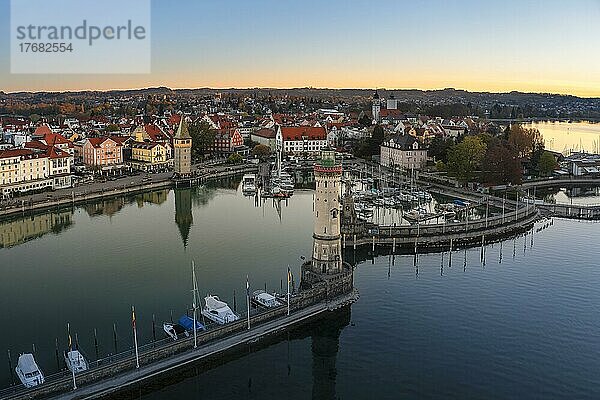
column 106, row 378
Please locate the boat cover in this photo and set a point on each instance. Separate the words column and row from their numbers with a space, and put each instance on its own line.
column 188, row 323
column 213, row 303
column 27, row 363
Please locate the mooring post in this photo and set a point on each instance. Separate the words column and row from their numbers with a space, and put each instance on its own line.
column 394, row 245
column 354, row 244
column 344, row 240
column 153, row 328
column 10, row 369
column 115, row 336
column 56, row 353
column 373, row 246
column 96, row 343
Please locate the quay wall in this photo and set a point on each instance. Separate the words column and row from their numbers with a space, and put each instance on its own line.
column 104, row 194
column 161, row 351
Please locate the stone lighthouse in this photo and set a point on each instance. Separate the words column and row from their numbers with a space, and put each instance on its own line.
column 327, row 256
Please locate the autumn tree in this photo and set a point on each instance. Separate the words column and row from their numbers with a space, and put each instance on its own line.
column 203, row 137
column 526, row 141
column 465, row 157
column 501, row 164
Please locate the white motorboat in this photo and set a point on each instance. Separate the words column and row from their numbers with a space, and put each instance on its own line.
column 218, row 311
column 174, row 331
column 28, row 371
column 264, row 299
column 75, row 361
column 249, row 183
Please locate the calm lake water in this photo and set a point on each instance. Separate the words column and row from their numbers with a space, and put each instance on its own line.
column 568, row 137
column 522, row 324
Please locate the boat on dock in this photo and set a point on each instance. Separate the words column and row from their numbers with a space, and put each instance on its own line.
column 28, row 371
column 75, row 361
column 262, row 298
column 218, row 311
column 249, row 184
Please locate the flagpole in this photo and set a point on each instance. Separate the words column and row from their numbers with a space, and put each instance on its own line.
column 70, row 345
column 194, row 305
column 248, row 299
column 135, row 342
column 288, row 290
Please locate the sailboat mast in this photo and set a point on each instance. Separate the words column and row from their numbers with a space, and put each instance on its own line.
column 194, row 305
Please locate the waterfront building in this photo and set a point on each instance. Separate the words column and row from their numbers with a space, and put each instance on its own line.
column 403, row 151
column 150, row 156
column 182, row 144
column 102, row 153
column 301, row 139
column 35, row 168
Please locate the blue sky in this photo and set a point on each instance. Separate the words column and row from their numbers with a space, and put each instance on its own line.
column 548, row 46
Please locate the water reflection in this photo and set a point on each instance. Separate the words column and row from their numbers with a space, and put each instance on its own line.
column 21, row 230
column 183, row 213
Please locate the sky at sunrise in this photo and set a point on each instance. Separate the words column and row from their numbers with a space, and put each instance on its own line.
column 530, row 46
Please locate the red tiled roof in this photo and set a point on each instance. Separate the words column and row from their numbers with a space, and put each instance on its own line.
column 299, row 132
column 96, row 142
column 42, row 130
column 174, row 119
column 265, row 133
column 17, row 153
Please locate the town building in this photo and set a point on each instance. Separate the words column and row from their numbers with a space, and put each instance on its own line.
column 301, row 139
column 150, row 156
column 265, row 136
column 35, row 168
column 102, row 153
column 403, row 151
column 227, row 141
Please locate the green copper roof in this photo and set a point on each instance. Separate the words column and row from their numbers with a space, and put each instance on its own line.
column 182, row 131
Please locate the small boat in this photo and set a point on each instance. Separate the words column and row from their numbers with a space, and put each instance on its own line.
column 218, row 311
column 249, row 184
column 183, row 327
column 75, row 361
column 262, row 298
column 28, row 371
column 174, row 331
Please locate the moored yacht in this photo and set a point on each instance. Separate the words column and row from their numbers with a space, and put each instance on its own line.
column 262, row 298
column 28, row 371
column 75, row 361
column 218, row 311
